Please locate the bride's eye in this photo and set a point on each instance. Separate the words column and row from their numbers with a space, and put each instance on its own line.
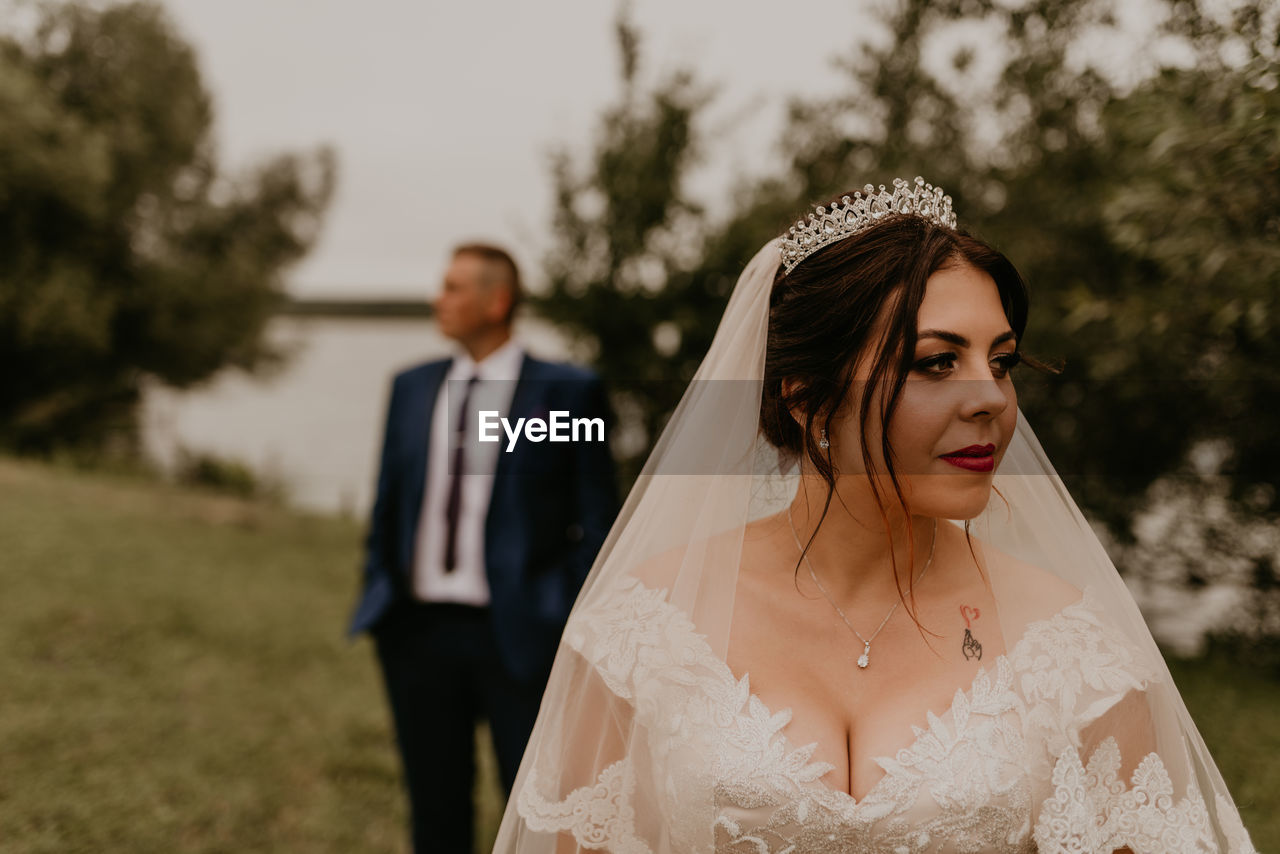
column 1002, row 363
column 936, row 366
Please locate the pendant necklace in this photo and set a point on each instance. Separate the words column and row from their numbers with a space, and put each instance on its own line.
column 865, row 659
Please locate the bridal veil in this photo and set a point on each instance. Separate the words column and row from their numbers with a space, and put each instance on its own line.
column 597, row 774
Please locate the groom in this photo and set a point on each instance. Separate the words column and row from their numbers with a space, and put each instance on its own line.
column 475, row 553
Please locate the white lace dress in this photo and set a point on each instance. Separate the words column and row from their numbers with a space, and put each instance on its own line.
column 1004, row 769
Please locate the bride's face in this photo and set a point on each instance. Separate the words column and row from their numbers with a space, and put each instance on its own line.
column 958, row 408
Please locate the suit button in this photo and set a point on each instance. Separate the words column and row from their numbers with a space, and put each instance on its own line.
column 574, row 533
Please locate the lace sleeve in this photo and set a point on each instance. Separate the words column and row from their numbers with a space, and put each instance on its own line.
column 640, row 657
column 598, row 817
column 1111, row 785
column 586, row 802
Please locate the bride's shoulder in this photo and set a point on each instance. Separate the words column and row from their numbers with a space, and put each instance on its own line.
column 1038, row 593
column 660, row 570
column 725, row 559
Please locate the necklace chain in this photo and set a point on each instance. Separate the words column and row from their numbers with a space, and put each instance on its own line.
column 865, row 659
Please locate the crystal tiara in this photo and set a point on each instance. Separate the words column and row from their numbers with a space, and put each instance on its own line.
column 865, row 209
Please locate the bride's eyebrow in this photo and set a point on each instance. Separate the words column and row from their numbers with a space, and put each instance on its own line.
column 960, row 340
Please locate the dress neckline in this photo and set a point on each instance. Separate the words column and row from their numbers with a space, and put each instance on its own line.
column 1000, row 663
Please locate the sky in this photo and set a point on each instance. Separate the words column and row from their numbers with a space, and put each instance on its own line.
column 443, row 115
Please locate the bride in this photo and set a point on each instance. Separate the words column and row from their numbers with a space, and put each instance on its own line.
column 849, row 606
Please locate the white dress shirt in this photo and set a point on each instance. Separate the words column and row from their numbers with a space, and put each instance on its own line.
column 468, row 583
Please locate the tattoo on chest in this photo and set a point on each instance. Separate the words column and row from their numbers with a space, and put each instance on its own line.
column 971, row 648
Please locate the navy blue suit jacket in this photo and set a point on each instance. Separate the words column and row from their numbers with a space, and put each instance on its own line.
column 551, row 508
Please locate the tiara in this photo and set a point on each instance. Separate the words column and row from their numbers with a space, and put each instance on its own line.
column 865, row 209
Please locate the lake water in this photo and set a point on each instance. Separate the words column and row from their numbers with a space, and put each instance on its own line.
column 314, row 426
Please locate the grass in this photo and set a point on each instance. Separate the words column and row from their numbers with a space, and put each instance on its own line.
column 175, row 679
column 175, row 676
column 1237, row 709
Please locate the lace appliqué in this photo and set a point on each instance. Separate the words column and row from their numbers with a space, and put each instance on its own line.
column 600, row 817
column 1072, row 668
column 1092, row 810
column 978, row 799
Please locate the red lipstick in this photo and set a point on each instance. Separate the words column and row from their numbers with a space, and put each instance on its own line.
column 979, row 458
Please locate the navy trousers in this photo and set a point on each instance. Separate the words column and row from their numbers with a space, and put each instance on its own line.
column 443, row 673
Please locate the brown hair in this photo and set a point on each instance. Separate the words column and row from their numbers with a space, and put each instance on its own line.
column 823, row 316
column 501, row 259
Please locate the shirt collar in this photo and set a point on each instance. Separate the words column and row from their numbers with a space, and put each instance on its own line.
column 502, row 364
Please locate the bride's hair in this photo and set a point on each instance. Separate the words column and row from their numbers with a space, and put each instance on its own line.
column 826, row 315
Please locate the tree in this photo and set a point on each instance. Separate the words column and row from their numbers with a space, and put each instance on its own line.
column 623, row 274
column 1201, row 214
column 128, row 254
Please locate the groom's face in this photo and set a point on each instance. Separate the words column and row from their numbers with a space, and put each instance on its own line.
column 469, row 302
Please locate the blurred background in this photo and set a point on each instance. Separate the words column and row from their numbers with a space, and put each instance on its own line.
column 221, row 224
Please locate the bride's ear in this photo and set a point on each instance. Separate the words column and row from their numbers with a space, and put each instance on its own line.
column 790, row 388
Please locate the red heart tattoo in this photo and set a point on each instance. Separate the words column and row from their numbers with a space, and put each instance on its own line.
column 969, row 614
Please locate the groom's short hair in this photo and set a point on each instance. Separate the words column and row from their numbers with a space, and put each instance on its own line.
column 499, row 267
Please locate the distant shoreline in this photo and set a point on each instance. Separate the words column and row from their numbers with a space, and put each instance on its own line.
column 388, row 308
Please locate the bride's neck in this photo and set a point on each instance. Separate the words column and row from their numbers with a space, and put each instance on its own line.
column 853, row 553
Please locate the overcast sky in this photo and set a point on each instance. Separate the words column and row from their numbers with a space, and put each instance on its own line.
column 442, row 114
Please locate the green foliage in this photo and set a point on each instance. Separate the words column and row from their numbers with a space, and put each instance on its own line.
column 127, row 253
column 1201, row 218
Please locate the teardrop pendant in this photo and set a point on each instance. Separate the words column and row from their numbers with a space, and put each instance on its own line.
column 865, row 658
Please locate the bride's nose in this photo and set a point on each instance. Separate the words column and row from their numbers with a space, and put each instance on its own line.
column 982, row 398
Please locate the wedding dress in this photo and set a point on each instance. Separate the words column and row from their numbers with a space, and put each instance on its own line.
column 1073, row 740
column 1022, row 761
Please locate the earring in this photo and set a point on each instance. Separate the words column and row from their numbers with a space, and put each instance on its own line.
column 824, row 442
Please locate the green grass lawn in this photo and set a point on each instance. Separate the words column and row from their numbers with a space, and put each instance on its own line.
column 174, row 677
column 1238, row 712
